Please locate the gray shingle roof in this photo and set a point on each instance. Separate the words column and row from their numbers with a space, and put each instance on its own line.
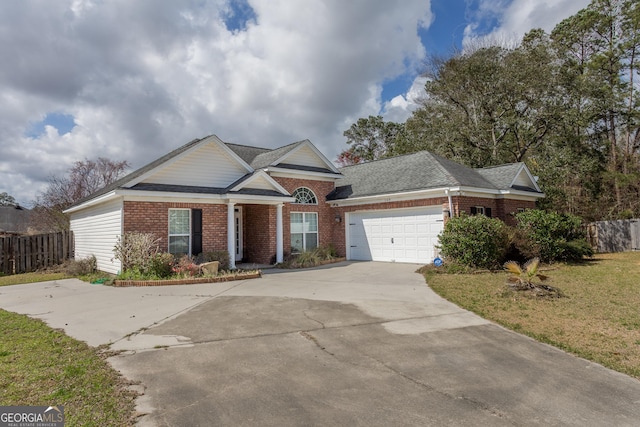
column 14, row 219
column 246, row 152
column 418, row 171
column 501, row 176
column 267, row 158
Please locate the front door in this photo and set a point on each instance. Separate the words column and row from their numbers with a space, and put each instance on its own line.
column 237, row 218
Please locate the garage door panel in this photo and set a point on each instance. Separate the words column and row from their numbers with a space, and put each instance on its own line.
column 395, row 235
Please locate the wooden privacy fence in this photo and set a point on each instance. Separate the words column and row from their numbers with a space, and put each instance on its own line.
column 23, row 254
column 614, row 236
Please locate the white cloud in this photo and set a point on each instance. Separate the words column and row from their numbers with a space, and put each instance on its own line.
column 399, row 108
column 141, row 78
column 516, row 17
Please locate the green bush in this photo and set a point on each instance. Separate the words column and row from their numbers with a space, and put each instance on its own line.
column 551, row 236
column 161, row 265
column 475, row 241
column 221, row 256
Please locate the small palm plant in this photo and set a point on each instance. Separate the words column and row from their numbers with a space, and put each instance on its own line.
column 523, row 278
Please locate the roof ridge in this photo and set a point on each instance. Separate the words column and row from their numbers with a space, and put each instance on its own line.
column 446, row 171
column 500, row 166
column 386, row 158
column 247, row 146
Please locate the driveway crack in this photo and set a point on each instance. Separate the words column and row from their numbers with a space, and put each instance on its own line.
column 304, row 312
column 314, row 340
column 427, row 387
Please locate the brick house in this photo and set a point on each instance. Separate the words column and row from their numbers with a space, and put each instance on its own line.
column 261, row 204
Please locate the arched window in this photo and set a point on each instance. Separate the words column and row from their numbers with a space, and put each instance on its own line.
column 305, row 196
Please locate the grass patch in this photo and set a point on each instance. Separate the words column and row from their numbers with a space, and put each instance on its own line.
column 599, row 319
column 18, row 279
column 43, row 366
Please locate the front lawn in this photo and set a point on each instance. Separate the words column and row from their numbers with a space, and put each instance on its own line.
column 16, row 279
column 42, row 366
column 599, row 319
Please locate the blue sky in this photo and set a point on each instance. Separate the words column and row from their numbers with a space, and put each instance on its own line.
column 133, row 80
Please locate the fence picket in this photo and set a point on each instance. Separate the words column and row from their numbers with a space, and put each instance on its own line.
column 24, row 254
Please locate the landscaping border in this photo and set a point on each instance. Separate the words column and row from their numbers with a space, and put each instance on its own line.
column 186, row 281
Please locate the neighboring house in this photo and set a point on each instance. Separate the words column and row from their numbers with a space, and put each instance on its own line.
column 260, row 204
column 14, row 220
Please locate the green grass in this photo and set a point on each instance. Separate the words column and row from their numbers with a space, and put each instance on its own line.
column 43, row 366
column 17, row 279
column 599, row 319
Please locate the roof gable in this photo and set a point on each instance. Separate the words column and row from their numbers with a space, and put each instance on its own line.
column 301, row 156
column 511, row 176
column 259, row 180
column 207, row 163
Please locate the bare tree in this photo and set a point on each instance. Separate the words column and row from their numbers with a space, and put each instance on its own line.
column 84, row 178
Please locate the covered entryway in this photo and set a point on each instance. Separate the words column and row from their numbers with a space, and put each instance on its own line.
column 398, row 235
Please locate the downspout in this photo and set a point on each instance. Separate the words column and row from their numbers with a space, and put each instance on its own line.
column 450, row 202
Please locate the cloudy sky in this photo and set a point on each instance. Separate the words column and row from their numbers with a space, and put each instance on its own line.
column 134, row 79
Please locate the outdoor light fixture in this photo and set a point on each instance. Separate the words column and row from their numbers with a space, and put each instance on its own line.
column 338, row 219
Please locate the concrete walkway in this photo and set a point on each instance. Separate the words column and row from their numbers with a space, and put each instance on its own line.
column 349, row 344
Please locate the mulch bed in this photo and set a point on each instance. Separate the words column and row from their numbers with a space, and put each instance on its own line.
column 186, row 281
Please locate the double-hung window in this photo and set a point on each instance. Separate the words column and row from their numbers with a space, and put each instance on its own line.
column 179, row 231
column 304, row 231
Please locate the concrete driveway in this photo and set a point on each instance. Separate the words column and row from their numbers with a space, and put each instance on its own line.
column 347, row 344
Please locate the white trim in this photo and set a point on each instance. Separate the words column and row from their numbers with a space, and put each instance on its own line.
column 310, row 191
column 101, row 199
column 307, row 143
column 295, row 173
column 238, row 232
column 526, row 170
column 231, row 235
column 304, row 238
column 438, row 192
column 261, row 174
column 279, row 234
column 158, row 196
column 169, row 235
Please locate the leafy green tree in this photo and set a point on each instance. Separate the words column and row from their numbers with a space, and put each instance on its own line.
column 370, row 139
column 490, row 106
column 598, row 48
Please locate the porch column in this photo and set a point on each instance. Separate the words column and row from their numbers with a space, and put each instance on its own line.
column 279, row 244
column 231, row 235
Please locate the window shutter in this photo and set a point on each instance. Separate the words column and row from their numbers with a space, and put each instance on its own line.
column 487, row 212
column 196, row 232
column 474, row 210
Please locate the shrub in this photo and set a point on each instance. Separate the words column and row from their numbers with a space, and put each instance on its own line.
column 475, row 241
column 136, row 250
column 325, row 252
column 221, row 256
column 161, row 265
column 186, row 267
column 81, row 267
column 551, row 236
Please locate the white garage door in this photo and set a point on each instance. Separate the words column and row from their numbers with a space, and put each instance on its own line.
column 394, row 235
